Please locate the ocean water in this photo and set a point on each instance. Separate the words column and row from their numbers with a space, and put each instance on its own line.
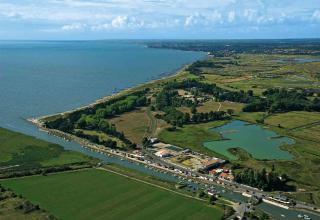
column 45, row 77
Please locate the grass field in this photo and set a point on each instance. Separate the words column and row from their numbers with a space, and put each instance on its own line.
column 259, row 72
column 221, row 106
column 27, row 151
column 193, row 136
column 139, row 124
column 96, row 194
column 293, row 120
column 133, row 124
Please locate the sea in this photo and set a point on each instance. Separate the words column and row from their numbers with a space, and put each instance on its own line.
column 45, row 77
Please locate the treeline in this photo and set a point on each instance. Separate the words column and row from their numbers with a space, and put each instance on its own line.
column 4, row 174
column 195, row 68
column 229, row 47
column 168, row 97
column 178, row 118
column 261, row 179
column 128, row 104
column 21, row 204
column 103, row 110
column 93, row 118
column 283, row 100
column 98, row 123
column 197, row 87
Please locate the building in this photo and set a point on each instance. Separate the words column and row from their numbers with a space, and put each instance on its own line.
column 161, row 145
column 211, row 164
column 163, row 153
column 226, row 176
column 154, row 140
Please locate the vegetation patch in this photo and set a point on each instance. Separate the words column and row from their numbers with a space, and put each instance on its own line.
column 28, row 152
column 193, row 136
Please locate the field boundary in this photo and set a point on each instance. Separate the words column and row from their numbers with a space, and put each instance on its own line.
column 151, row 184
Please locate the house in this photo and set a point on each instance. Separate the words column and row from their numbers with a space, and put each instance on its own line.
column 163, row 153
column 211, row 164
column 226, row 176
column 212, row 172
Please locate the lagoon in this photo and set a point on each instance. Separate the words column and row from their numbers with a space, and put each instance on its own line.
column 260, row 142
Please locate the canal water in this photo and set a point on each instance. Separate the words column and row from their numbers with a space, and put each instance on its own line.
column 258, row 141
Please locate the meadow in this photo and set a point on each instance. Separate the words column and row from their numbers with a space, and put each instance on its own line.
column 193, row 136
column 30, row 152
column 87, row 193
column 259, row 72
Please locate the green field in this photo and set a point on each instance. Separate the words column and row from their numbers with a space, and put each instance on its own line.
column 96, row 194
column 293, row 120
column 29, row 152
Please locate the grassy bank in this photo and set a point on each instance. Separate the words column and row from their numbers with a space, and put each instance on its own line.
column 29, row 152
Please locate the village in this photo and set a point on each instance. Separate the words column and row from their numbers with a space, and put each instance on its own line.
column 190, row 160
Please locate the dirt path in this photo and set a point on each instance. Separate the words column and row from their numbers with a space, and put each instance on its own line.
column 153, row 123
column 219, row 106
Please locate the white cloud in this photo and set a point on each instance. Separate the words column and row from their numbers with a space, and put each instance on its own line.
column 73, row 27
column 316, row 15
column 231, row 16
column 99, row 15
column 119, row 21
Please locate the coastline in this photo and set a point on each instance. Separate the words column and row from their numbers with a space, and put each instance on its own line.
column 179, row 73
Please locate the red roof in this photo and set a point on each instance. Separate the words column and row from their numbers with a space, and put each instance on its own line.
column 223, row 175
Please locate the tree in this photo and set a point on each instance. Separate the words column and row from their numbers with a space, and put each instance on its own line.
column 145, row 142
column 212, row 200
column 230, row 111
column 194, row 109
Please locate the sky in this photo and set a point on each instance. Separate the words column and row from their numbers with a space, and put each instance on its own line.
column 158, row 19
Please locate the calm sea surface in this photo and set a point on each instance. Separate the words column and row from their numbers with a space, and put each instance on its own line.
column 40, row 77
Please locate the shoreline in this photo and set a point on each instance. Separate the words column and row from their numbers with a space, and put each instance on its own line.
column 106, row 98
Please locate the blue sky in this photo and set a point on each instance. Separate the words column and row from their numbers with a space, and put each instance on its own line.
column 136, row 19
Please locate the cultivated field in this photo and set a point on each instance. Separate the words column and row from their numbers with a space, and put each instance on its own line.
column 104, row 195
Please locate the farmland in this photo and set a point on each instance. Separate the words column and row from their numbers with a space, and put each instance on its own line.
column 107, row 196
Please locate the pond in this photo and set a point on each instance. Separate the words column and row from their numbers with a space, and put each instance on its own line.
column 260, row 142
